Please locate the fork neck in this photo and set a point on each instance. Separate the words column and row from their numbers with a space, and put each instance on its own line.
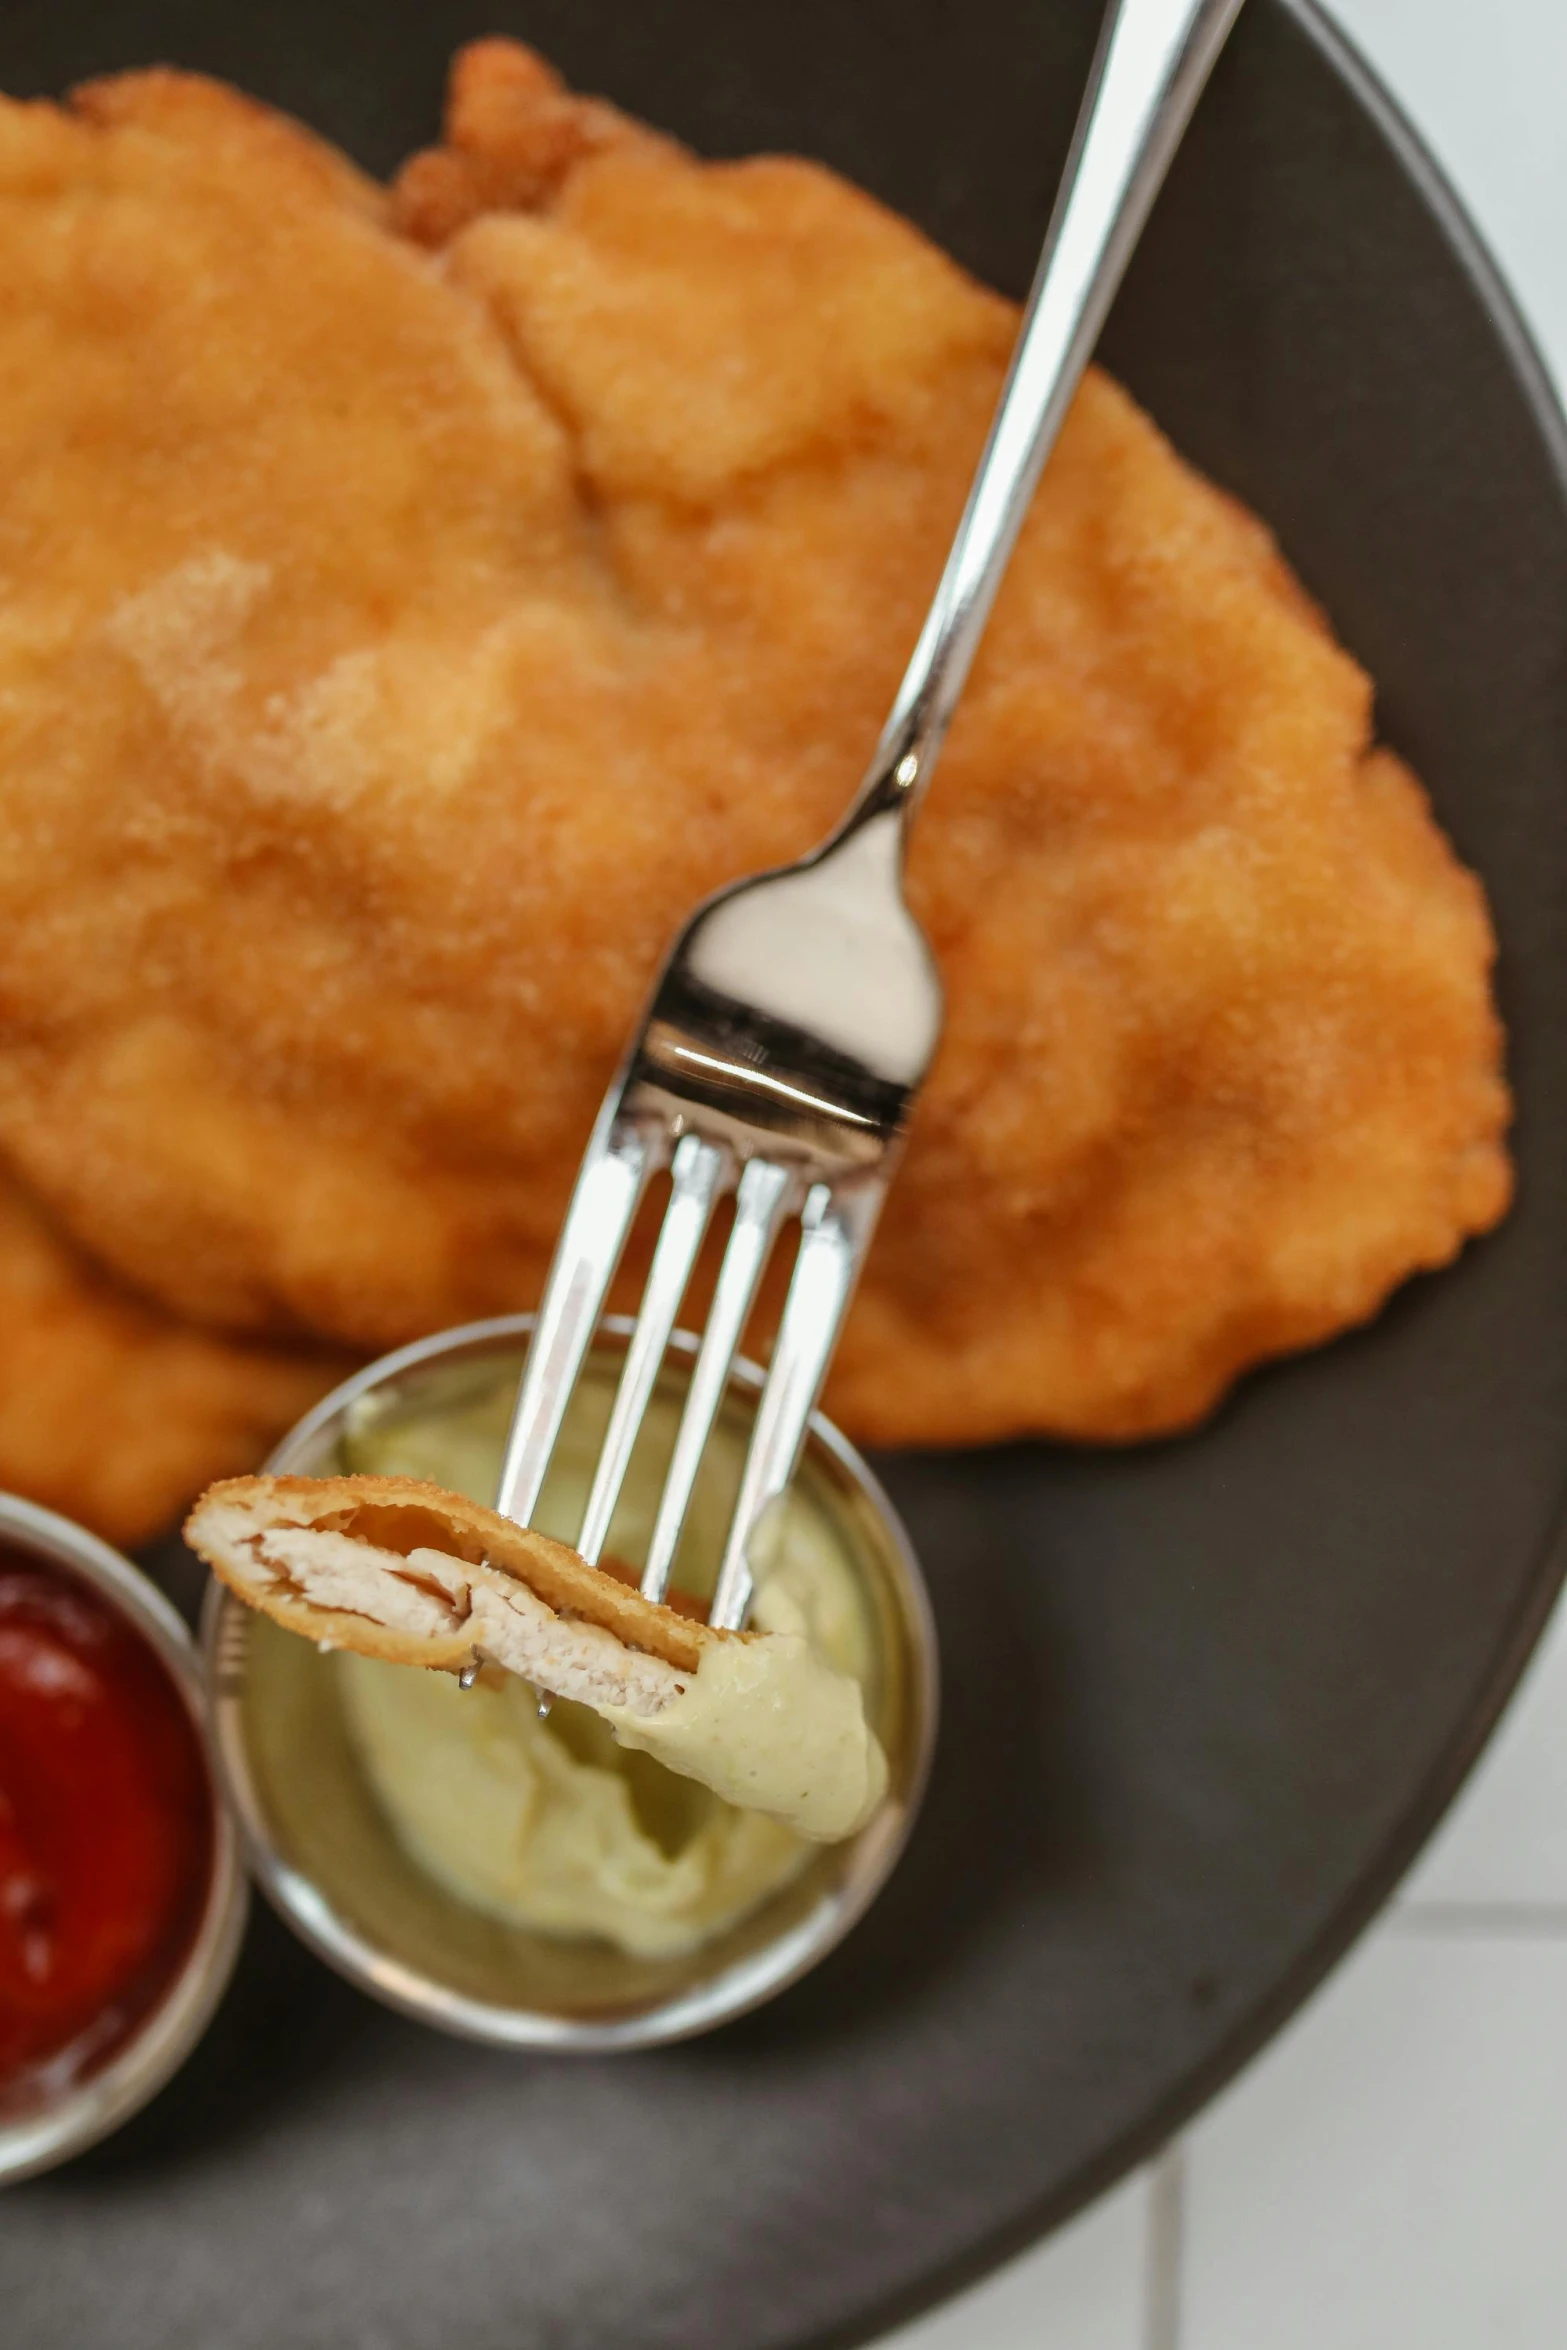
column 1153, row 59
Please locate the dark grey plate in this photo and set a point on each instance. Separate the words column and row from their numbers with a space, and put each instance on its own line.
column 1204, row 1700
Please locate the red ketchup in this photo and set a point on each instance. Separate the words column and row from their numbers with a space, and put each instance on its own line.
column 105, row 1829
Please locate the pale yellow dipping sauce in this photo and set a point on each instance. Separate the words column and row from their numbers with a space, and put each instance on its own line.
column 557, row 1825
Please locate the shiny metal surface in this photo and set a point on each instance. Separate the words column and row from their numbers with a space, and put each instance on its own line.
column 1153, row 59
column 750, row 1962
column 34, row 2142
column 798, row 1012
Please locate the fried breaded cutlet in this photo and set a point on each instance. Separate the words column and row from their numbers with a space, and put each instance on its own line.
column 110, row 1409
column 413, row 605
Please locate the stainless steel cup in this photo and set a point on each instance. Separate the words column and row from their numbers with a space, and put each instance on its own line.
column 331, row 1865
column 89, row 2109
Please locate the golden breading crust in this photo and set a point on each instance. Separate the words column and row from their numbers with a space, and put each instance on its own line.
column 399, row 639
column 112, row 1412
column 513, row 133
column 240, row 1525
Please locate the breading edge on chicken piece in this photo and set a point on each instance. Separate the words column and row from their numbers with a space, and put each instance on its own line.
column 111, row 1411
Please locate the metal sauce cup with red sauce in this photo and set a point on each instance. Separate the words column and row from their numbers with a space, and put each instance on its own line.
column 121, row 1896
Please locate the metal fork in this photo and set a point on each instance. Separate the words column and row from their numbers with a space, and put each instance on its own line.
column 798, row 1011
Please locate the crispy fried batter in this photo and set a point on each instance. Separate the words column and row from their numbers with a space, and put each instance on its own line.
column 110, row 1410
column 513, row 133
column 397, row 643
column 386, row 1604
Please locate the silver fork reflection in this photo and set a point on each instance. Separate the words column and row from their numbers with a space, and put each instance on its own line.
column 798, row 1012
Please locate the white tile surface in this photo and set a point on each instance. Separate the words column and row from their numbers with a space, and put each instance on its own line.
column 1083, row 2290
column 1505, row 1841
column 1390, row 2175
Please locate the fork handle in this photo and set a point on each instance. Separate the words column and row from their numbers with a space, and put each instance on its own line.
column 1153, row 59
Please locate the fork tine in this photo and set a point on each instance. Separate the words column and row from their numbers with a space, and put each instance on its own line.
column 760, row 1201
column 835, row 1234
column 603, row 1208
column 697, row 1170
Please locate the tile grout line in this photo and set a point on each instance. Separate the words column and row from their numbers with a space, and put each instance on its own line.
column 1165, row 2248
column 1415, row 1920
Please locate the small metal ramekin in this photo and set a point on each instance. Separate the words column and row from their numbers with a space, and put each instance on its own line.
column 332, row 1868
column 33, row 2142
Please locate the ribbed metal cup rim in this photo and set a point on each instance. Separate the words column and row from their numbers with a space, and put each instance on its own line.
column 744, row 1984
column 35, row 2142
